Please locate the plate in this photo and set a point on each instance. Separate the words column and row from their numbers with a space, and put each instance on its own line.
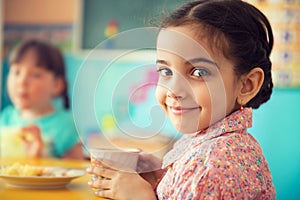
column 43, row 182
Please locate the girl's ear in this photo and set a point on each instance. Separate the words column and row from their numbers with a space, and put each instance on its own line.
column 58, row 86
column 251, row 84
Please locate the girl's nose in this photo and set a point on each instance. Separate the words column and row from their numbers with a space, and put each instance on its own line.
column 171, row 94
column 22, row 79
column 177, row 88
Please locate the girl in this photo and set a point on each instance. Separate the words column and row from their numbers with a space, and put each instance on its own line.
column 214, row 67
column 36, row 76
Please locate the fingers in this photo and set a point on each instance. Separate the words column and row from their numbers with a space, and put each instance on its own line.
column 31, row 127
column 31, row 133
column 103, row 184
column 102, row 171
column 28, row 136
column 35, row 130
column 100, row 184
column 105, row 193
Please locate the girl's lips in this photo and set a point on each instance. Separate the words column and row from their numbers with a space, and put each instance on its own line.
column 23, row 96
column 180, row 110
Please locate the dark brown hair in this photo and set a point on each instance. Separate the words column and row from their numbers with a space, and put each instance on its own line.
column 246, row 30
column 48, row 57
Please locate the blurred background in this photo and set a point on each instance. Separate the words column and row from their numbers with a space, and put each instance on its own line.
column 78, row 26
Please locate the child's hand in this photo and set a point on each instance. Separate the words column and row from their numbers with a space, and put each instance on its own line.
column 149, row 168
column 119, row 184
column 31, row 136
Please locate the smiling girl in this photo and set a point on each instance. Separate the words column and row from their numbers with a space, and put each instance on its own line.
column 214, row 67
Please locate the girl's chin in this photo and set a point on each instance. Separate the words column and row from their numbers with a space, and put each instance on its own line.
column 22, row 106
column 186, row 130
column 189, row 128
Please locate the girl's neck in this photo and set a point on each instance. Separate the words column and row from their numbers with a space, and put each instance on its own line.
column 34, row 113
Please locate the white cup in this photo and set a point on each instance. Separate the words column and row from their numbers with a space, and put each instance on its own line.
column 119, row 159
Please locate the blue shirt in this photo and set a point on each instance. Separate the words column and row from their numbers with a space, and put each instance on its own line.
column 58, row 129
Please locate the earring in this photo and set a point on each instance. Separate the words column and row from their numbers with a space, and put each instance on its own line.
column 241, row 104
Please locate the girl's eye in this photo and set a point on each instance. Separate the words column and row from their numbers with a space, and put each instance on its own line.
column 36, row 75
column 15, row 72
column 200, row 72
column 165, row 72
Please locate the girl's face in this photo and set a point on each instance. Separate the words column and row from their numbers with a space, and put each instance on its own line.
column 31, row 86
column 197, row 85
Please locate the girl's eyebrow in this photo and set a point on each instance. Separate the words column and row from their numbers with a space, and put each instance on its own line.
column 163, row 62
column 191, row 61
column 196, row 60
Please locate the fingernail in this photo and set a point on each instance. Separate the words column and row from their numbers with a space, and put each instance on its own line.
column 94, row 177
column 90, row 183
column 88, row 169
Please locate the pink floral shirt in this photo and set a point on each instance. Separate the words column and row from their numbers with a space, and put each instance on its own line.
column 222, row 162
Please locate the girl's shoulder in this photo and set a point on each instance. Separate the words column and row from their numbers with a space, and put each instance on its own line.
column 59, row 116
column 229, row 147
column 63, row 113
column 8, row 110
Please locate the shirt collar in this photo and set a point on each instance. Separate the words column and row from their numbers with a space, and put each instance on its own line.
column 238, row 120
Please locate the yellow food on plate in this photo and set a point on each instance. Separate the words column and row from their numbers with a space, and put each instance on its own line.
column 18, row 169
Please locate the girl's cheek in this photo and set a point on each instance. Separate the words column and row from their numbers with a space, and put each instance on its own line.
column 10, row 84
column 159, row 94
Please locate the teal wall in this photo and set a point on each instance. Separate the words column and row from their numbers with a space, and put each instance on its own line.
column 129, row 14
column 276, row 128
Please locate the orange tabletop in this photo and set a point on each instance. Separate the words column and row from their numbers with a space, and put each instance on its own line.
column 77, row 189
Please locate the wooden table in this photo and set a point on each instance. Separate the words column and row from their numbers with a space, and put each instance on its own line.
column 76, row 190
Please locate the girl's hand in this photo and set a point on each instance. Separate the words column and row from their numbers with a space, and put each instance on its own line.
column 31, row 136
column 120, row 184
column 149, row 168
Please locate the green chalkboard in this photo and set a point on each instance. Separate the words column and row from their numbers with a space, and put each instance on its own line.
column 128, row 14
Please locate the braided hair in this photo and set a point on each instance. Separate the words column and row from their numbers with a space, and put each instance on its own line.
column 48, row 57
column 246, row 30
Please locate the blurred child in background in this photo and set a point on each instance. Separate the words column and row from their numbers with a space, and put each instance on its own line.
column 33, row 127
